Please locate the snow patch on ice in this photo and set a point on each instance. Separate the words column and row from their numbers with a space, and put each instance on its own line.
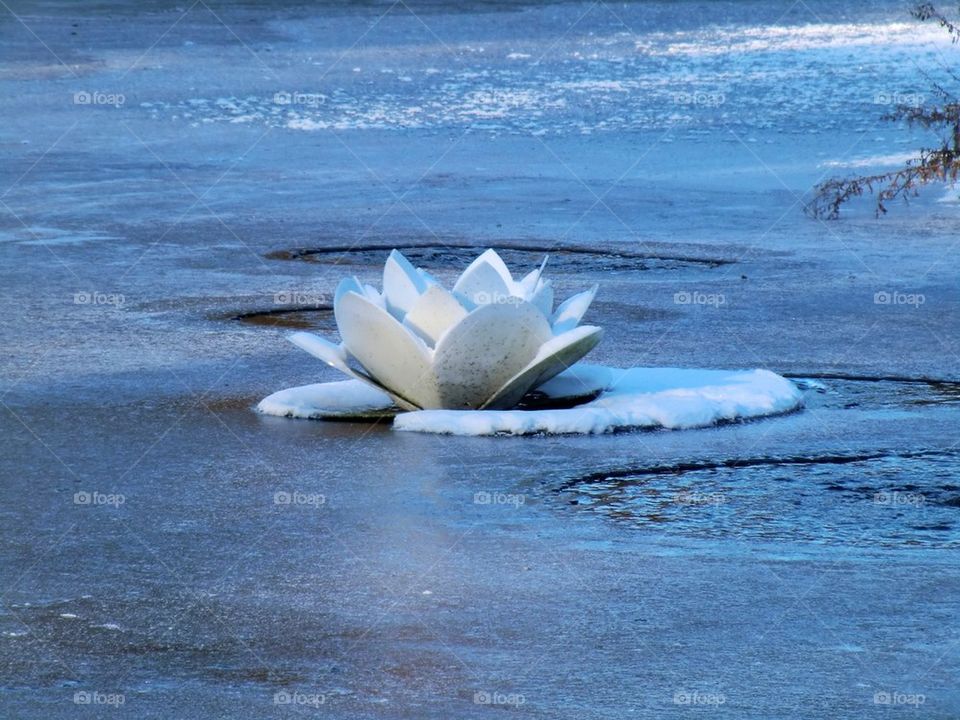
column 500, row 103
column 347, row 398
column 41, row 235
column 108, row 626
column 670, row 398
column 815, row 36
column 872, row 161
column 951, row 195
column 596, row 85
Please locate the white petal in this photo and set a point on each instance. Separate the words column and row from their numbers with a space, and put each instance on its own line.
column 402, row 284
column 435, row 312
column 352, row 284
column 348, row 284
column 374, row 296
column 427, row 277
column 572, row 310
column 336, row 357
column 332, row 355
column 554, row 357
column 394, row 356
column 488, row 347
column 468, row 303
column 531, row 281
column 543, row 298
column 486, row 280
column 491, row 257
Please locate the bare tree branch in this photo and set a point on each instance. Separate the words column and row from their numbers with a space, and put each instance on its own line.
column 939, row 164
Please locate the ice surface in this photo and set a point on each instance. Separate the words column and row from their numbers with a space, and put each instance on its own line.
column 625, row 76
column 604, row 601
column 672, row 398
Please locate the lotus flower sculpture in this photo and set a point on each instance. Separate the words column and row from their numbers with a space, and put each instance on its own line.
column 483, row 345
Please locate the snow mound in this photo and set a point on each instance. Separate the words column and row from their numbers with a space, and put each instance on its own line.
column 669, row 398
column 344, row 400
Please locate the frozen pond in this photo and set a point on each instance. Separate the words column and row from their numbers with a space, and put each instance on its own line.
column 182, row 186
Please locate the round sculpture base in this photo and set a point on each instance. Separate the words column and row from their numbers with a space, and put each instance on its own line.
column 584, row 399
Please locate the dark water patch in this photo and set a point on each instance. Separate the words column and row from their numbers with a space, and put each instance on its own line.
column 943, row 391
column 260, row 676
column 942, row 527
column 312, row 317
column 681, row 468
column 877, row 392
column 880, row 496
column 865, row 499
column 457, row 255
column 536, row 400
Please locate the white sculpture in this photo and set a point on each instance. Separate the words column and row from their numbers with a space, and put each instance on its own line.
column 482, row 346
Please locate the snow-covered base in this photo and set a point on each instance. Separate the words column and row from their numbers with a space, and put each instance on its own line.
column 636, row 398
column 344, row 400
